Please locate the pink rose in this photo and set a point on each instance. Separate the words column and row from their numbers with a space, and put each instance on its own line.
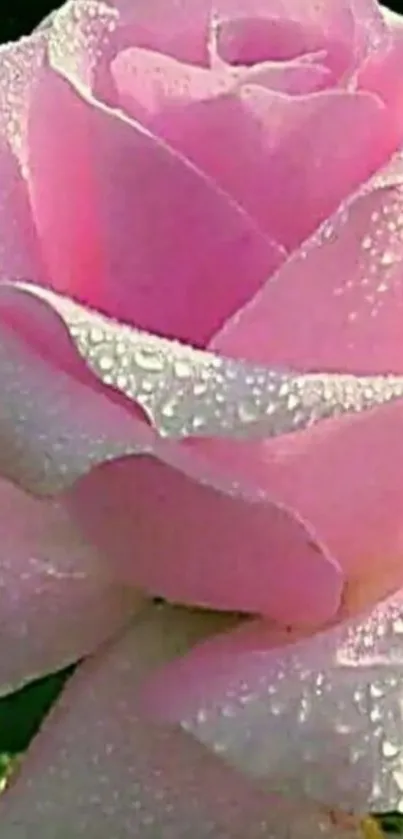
column 201, row 250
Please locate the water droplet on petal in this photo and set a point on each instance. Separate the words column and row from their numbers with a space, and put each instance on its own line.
column 247, row 412
column 389, row 749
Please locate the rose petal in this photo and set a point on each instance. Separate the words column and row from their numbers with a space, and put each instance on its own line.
column 337, row 303
column 184, row 541
column 100, row 768
column 80, row 428
column 20, row 254
column 321, row 717
column 381, row 74
column 370, row 31
column 186, row 392
column 341, row 479
column 52, row 427
column 57, row 600
column 357, row 520
column 95, row 246
column 276, row 140
column 347, row 30
column 19, row 247
column 180, row 29
column 248, row 40
column 296, row 77
column 21, row 62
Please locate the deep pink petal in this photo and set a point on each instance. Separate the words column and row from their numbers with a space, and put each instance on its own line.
column 337, row 303
column 186, row 542
column 58, row 601
column 125, row 240
column 286, row 152
column 321, row 716
column 99, row 768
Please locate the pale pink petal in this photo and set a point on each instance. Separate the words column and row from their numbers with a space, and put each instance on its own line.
column 337, row 303
column 20, row 254
column 370, row 30
column 186, row 392
column 296, row 77
column 320, row 717
column 99, row 768
column 347, row 30
column 58, row 601
column 341, row 479
column 125, row 240
column 188, row 543
column 381, row 72
column 249, row 39
column 21, row 62
column 180, row 29
column 19, row 248
column 54, row 428
column 286, row 152
column 149, row 83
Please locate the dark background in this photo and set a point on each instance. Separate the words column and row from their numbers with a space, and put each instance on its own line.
column 21, row 713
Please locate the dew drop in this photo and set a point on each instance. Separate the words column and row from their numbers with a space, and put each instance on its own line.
column 105, row 363
column 247, row 412
column 398, row 626
column 389, row 749
column 198, row 422
column 388, row 258
column 168, row 409
column 398, row 779
column 200, row 388
column 376, row 690
column 96, row 335
column 182, row 369
column 149, row 360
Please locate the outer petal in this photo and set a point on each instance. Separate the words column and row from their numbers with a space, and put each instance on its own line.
column 57, row 601
column 125, row 240
column 54, row 429
column 341, row 478
column 185, row 391
column 174, row 537
column 100, row 769
column 320, row 717
column 380, row 73
column 188, row 392
column 20, row 254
